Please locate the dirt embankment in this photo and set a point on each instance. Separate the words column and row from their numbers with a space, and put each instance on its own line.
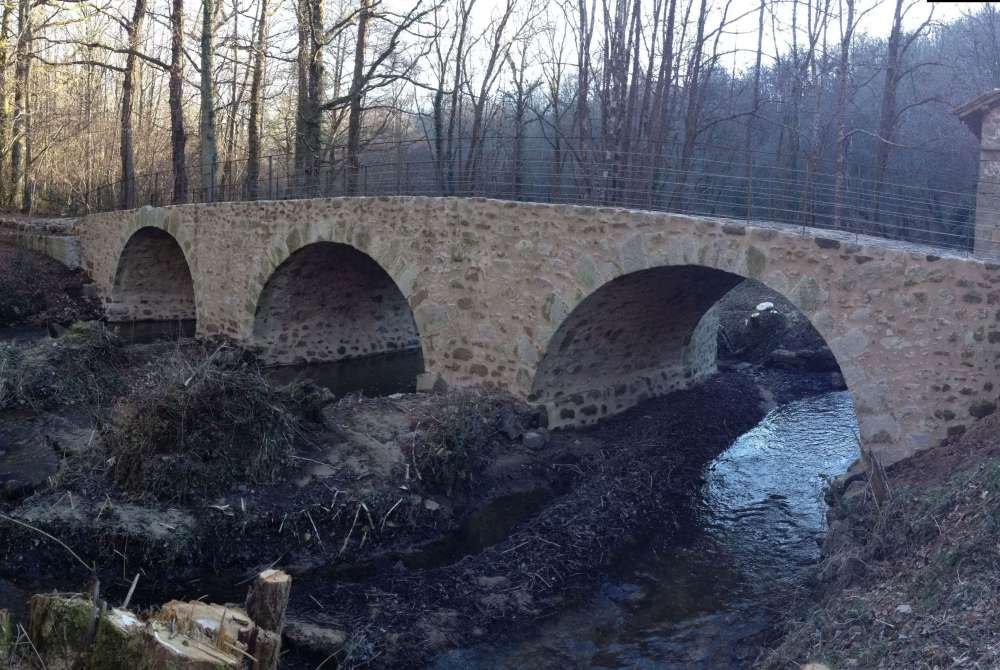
column 911, row 583
column 36, row 290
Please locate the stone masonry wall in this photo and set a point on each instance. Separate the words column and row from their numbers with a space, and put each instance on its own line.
column 987, row 241
column 917, row 335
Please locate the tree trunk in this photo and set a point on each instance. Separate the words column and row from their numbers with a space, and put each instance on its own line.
column 843, row 75
column 209, row 149
column 887, row 116
column 586, row 32
column 314, row 124
column 304, row 56
column 178, row 136
column 660, row 109
column 21, row 71
column 128, row 195
column 8, row 8
column 256, row 102
column 356, row 94
column 754, row 109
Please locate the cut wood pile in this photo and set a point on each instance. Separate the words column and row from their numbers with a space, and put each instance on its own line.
column 77, row 631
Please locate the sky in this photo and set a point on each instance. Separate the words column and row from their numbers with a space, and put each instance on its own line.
column 876, row 20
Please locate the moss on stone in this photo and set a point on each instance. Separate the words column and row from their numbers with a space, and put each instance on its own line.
column 6, row 633
column 60, row 626
column 118, row 644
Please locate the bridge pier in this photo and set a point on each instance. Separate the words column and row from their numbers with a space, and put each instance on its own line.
column 982, row 116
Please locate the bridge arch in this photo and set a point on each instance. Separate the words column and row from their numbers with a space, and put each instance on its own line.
column 641, row 334
column 329, row 301
column 152, row 280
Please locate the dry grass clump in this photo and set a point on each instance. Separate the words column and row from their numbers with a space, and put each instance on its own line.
column 196, row 423
column 910, row 584
column 83, row 366
column 461, row 433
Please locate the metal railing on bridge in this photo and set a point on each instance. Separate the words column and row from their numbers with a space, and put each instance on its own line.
column 711, row 186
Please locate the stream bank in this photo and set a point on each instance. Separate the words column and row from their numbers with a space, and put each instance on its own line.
column 411, row 523
column 909, row 582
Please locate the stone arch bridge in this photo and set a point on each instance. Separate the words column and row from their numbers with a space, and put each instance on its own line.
column 584, row 310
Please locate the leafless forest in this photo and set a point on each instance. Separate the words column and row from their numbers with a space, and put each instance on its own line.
column 804, row 111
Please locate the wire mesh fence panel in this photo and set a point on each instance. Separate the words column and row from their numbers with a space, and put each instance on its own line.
column 714, row 182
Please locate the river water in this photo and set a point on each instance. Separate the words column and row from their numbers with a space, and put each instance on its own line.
column 702, row 601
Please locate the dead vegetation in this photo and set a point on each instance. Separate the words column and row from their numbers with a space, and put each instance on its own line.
column 461, row 432
column 913, row 583
column 199, row 421
column 83, row 366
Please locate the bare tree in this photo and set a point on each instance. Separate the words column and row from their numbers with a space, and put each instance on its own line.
column 209, row 152
column 256, row 103
column 178, row 134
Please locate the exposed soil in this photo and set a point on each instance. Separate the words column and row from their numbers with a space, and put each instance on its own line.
column 911, row 583
column 36, row 290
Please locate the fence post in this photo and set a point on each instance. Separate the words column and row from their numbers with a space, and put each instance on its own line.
column 270, row 177
column 211, row 181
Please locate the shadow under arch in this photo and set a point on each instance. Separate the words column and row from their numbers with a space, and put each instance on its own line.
column 153, row 281
column 640, row 335
column 330, row 302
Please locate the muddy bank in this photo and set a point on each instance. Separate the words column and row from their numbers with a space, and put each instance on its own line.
column 909, row 582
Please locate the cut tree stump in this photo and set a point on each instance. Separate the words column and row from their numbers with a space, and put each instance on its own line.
column 61, row 627
column 6, row 634
column 264, row 646
column 267, row 599
column 69, row 632
column 118, row 644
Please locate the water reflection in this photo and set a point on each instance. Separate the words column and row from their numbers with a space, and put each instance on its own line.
column 144, row 332
column 700, row 602
column 384, row 374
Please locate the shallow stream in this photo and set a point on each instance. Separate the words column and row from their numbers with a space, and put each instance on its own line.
column 702, row 602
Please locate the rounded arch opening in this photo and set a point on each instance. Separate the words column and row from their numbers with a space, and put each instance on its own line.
column 639, row 336
column 330, row 302
column 153, row 281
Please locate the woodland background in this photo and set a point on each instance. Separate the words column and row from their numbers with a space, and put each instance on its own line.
column 805, row 117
